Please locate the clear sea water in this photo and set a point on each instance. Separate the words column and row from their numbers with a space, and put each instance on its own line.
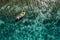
column 35, row 25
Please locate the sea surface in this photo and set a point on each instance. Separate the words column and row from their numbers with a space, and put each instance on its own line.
column 39, row 23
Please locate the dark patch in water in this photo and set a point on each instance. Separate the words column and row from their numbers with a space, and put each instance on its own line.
column 58, row 23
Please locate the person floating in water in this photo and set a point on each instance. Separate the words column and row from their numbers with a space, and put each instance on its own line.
column 20, row 16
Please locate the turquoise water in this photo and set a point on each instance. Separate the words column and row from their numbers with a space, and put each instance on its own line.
column 39, row 23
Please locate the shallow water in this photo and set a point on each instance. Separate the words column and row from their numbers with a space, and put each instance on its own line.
column 37, row 24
